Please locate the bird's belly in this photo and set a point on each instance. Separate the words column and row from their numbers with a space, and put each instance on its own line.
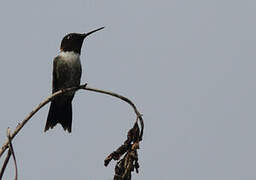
column 69, row 73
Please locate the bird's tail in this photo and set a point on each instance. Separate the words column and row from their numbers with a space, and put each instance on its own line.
column 60, row 113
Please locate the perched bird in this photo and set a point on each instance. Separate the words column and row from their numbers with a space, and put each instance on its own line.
column 66, row 73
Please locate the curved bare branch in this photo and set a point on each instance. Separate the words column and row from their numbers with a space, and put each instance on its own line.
column 48, row 99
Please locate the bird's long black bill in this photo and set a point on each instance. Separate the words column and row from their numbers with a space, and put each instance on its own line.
column 87, row 34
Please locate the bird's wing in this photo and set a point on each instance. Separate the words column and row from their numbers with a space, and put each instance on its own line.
column 55, row 86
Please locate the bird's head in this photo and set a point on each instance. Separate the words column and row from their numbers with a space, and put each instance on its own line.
column 74, row 41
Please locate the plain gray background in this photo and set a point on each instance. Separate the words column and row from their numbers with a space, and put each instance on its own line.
column 188, row 65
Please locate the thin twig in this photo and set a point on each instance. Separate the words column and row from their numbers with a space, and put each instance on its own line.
column 12, row 152
column 139, row 116
column 5, row 163
column 48, row 99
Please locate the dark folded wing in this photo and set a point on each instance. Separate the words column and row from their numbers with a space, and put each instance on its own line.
column 55, row 86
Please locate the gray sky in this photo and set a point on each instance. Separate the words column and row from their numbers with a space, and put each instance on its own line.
column 188, row 65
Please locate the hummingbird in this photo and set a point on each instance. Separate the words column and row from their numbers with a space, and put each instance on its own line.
column 67, row 72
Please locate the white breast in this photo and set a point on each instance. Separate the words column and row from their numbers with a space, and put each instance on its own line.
column 70, row 56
